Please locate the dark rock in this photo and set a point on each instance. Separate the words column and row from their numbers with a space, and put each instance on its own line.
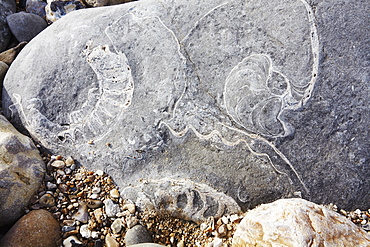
column 36, row 7
column 7, row 7
column 257, row 99
column 37, row 228
column 137, row 235
column 21, row 172
column 25, row 26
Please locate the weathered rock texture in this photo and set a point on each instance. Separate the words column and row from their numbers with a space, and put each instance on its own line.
column 7, row 7
column 257, row 99
column 37, row 228
column 21, row 172
column 299, row 223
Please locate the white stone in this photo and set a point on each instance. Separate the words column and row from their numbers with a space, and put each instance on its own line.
column 116, row 226
column 297, row 222
column 68, row 242
column 84, row 231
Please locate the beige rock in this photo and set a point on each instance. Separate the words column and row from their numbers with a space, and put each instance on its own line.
column 21, row 172
column 110, row 241
column 38, row 228
column 297, row 222
column 3, row 69
column 8, row 56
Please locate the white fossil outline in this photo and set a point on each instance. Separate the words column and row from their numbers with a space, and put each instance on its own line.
column 307, row 90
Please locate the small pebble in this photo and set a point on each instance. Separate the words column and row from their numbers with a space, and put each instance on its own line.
column 111, row 208
column 68, row 228
column 81, row 215
column 71, row 241
column 130, row 207
column 131, row 221
column 99, row 173
column 110, row 241
column 116, row 226
column 69, row 161
column 96, row 190
column 94, row 204
column 114, row 193
column 84, row 231
column 47, row 200
column 58, row 164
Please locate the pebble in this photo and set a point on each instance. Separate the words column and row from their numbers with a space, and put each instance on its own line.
column 71, row 241
column 131, row 221
column 94, row 204
column 68, row 228
column 111, row 208
column 37, row 228
column 58, row 164
column 98, row 213
column 69, row 161
column 57, row 9
column 36, row 7
column 99, row 173
column 130, row 207
column 47, row 200
column 96, row 190
column 3, row 69
column 110, row 241
column 81, row 215
column 137, row 235
column 84, row 231
column 51, row 186
column 114, row 193
column 116, row 226
column 9, row 55
column 25, row 26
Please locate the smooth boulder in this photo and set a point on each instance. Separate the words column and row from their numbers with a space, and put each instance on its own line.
column 37, row 228
column 25, row 26
column 297, row 222
column 21, row 172
column 239, row 96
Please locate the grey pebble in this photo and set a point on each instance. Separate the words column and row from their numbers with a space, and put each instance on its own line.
column 137, row 235
column 111, row 208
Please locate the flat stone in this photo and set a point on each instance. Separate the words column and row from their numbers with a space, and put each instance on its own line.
column 25, row 26
column 137, row 235
column 82, row 214
column 257, row 99
column 116, row 226
column 297, row 222
column 21, row 172
column 37, row 228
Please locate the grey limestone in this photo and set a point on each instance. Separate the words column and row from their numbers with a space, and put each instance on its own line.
column 258, row 100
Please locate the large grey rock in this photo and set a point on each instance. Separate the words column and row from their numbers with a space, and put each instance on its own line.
column 7, row 7
column 259, row 99
column 21, row 172
column 297, row 222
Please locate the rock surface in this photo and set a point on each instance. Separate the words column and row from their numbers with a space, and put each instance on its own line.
column 37, row 228
column 297, row 222
column 7, row 7
column 231, row 94
column 21, row 172
column 25, row 26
